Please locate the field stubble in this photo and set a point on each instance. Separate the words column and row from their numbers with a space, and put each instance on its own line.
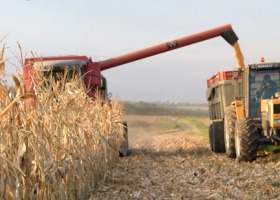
column 178, row 164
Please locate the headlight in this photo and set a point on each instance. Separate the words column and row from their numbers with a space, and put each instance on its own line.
column 277, row 121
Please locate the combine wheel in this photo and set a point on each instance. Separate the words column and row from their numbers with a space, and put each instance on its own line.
column 229, row 123
column 246, row 140
column 124, row 146
column 218, row 137
column 211, row 136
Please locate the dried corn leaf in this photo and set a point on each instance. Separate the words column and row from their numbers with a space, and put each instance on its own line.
column 17, row 83
column 60, row 155
column 2, row 62
column 10, row 106
column 54, row 145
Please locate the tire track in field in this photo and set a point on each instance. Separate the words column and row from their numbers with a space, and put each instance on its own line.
column 176, row 165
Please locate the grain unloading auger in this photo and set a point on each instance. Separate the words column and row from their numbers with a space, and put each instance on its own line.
column 225, row 31
column 91, row 71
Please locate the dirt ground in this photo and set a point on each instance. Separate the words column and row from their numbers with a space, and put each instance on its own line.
column 177, row 164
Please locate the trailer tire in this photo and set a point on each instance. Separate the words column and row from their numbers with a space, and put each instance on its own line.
column 246, row 140
column 218, row 137
column 211, row 136
column 229, row 125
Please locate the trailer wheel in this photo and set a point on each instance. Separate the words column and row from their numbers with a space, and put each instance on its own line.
column 218, row 137
column 211, row 136
column 124, row 146
column 229, row 124
column 246, row 140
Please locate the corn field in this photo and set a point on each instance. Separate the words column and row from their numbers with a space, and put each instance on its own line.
column 56, row 143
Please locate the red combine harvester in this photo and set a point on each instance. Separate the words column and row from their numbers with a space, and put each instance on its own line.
column 91, row 71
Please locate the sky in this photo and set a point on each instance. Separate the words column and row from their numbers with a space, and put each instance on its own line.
column 106, row 29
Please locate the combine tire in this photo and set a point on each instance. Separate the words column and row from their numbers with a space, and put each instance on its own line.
column 229, row 123
column 218, row 137
column 246, row 140
column 124, row 146
column 211, row 136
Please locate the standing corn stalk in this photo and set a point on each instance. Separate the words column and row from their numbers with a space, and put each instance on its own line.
column 58, row 147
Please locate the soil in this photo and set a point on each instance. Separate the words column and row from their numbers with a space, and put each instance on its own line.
column 178, row 164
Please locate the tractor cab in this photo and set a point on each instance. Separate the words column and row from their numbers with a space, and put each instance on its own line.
column 264, row 83
column 264, row 88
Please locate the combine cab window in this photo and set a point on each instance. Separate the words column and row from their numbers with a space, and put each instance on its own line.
column 263, row 85
column 62, row 74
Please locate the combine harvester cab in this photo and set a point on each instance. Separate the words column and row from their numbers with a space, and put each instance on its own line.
column 91, row 71
column 244, row 105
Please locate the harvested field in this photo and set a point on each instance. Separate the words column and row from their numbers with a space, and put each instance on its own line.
column 178, row 164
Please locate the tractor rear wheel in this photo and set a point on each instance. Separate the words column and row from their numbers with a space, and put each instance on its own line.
column 218, row 137
column 229, row 125
column 246, row 140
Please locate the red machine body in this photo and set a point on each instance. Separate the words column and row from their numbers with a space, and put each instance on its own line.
column 92, row 70
column 82, row 64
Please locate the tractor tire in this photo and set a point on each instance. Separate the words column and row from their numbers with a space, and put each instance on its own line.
column 211, row 136
column 229, row 125
column 123, row 152
column 246, row 140
column 218, row 137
